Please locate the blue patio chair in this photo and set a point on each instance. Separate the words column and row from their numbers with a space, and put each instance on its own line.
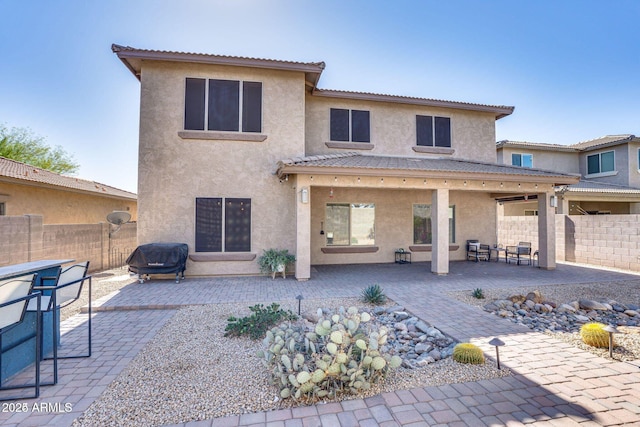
column 15, row 295
column 67, row 289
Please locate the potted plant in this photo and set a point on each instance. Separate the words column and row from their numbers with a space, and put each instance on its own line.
column 275, row 261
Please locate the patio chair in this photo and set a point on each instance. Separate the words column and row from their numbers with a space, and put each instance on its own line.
column 15, row 295
column 519, row 253
column 67, row 289
column 477, row 251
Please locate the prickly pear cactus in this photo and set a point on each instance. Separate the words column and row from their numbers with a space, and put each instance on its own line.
column 340, row 354
column 593, row 334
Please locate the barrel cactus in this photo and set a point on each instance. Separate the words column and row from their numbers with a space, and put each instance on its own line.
column 468, row 353
column 593, row 334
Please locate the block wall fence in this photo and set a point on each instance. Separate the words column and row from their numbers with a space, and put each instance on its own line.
column 25, row 238
column 602, row 240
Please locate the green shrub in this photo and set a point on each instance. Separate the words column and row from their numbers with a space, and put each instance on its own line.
column 259, row 322
column 468, row 353
column 374, row 294
column 478, row 293
column 342, row 355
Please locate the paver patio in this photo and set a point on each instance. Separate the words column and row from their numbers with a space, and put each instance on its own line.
column 553, row 383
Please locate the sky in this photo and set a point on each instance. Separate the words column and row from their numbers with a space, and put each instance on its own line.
column 571, row 68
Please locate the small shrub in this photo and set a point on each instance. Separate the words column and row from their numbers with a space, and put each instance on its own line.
column 259, row 322
column 478, row 293
column 343, row 354
column 468, row 353
column 594, row 335
column 374, row 294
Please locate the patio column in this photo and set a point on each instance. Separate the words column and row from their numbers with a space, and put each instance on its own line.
column 440, row 231
column 546, row 232
column 303, row 228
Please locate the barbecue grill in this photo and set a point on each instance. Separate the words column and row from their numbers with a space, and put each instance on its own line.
column 159, row 258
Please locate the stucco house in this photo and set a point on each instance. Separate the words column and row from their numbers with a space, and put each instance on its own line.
column 609, row 168
column 59, row 199
column 238, row 155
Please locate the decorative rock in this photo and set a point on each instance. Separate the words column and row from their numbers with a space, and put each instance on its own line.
column 395, row 308
column 530, row 304
column 580, row 318
column 422, row 326
column 586, row 304
column 435, row 354
column 535, row 296
column 399, row 326
column 631, row 313
column 401, row 315
column 566, row 308
column 422, row 348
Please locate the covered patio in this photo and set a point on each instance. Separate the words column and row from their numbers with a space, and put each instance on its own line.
column 459, row 198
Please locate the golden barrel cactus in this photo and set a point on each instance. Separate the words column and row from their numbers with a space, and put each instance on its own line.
column 468, row 353
column 593, row 334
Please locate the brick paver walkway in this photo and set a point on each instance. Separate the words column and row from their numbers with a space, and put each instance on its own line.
column 553, row 383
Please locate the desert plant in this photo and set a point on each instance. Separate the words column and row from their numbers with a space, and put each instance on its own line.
column 275, row 261
column 468, row 353
column 343, row 354
column 374, row 294
column 593, row 334
column 259, row 322
column 478, row 293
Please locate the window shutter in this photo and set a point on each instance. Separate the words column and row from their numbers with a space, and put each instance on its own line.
column 424, row 131
column 224, row 105
column 208, row 224
column 339, row 124
column 194, row 104
column 237, row 225
column 360, row 129
column 443, row 132
column 252, row 107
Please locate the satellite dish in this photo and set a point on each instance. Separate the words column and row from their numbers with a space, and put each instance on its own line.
column 118, row 218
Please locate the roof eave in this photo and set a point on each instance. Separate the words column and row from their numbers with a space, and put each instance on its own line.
column 11, row 180
column 498, row 110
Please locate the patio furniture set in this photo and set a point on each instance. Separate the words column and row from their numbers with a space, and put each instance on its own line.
column 520, row 254
column 31, row 295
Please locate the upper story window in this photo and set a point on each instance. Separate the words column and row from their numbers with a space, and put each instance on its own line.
column 523, row 160
column 601, row 162
column 433, row 131
column 638, row 158
column 223, row 105
column 223, row 224
column 350, row 125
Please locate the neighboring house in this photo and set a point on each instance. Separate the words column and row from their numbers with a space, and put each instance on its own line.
column 59, row 199
column 238, row 155
column 609, row 168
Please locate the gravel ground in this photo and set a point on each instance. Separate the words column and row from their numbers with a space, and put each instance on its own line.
column 626, row 343
column 191, row 372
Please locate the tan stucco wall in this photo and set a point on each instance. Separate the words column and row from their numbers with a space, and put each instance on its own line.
column 61, row 207
column 174, row 171
column 550, row 160
column 393, row 128
column 621, row 156
column 633, row 165
column 475, row 219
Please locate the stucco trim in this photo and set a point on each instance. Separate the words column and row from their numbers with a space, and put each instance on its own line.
column 222, row 257
column 428, row 248
column 350, row 249
column 433, row 150
column 351, row 145
column 221, row 136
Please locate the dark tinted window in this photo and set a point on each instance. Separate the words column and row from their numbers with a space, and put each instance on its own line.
column 237, row 226
column 251, row 107
column 224, row 105
column 593, row 164
column 360, row 126
column 194, row 104
column 424, row 130
column 339, row 125
column 443, row 131
column 208, row 225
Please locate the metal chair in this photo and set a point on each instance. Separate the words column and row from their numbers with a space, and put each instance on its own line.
column 519, row 253
column 67, row 289
column 477, row 251
column 15, row 295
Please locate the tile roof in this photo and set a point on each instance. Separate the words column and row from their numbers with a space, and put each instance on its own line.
column 603, row 141
column 19, row 171
column 363, row 162
column 587, row 186
column 535, row 146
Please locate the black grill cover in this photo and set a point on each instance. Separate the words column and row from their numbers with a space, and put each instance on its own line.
column 159, row 258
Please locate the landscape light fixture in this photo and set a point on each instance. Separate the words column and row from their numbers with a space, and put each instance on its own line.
column 497, row 342
column 612, row 330
column 299, row 298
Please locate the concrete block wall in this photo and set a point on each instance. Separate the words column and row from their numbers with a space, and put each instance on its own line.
column 26, row 238
column 602, row 240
